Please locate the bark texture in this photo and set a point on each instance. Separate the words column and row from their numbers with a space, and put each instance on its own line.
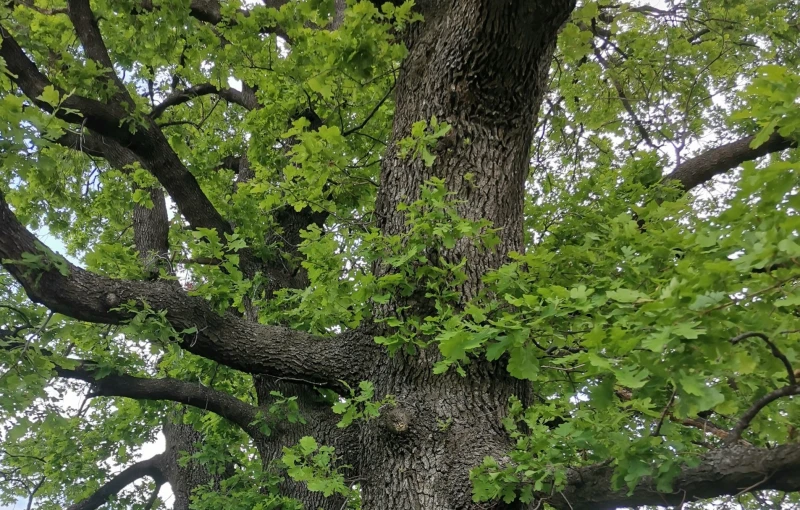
column 481, row 66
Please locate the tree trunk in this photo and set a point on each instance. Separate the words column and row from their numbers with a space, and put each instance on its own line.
column 481, row 66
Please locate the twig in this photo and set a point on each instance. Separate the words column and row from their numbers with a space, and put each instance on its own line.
column 775, row 352
column 657, row 430
column 370, row 114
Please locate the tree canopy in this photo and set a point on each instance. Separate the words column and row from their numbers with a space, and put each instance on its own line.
column 406, row 255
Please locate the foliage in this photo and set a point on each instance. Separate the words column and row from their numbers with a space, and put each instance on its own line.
column 620, row 313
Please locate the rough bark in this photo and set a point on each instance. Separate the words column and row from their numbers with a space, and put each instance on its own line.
column 481, row 66
column 228, row 339
column 731, row 470
column 183, row 440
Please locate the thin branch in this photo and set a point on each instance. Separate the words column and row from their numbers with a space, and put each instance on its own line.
column 184, row 96
column 758, row 405
column 664, row 413
column 371, row 113
column 626, row 103
column 775, row 352
column 34, row 491
column 153, row 497
column 150, row 467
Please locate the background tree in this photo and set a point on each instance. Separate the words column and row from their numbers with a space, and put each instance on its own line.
column 467, row 254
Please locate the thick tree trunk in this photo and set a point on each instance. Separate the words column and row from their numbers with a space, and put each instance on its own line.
column 481, row 66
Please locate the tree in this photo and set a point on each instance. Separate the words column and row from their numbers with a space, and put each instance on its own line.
column 433, row 256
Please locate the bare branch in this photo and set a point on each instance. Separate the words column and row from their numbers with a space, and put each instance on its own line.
column 705, row 166
column 150, row 467
column 227, row 339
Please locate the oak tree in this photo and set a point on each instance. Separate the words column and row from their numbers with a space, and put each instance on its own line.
column 406, row 255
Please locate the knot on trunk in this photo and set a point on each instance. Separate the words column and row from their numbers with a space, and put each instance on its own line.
column 396, row 420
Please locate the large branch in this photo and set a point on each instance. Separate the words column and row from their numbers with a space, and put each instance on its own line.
column 725, row 471
column 227, row 339
column 151, row 467
column 112, row 121
column 175, row 390
column 85, row 23
column 702, row 168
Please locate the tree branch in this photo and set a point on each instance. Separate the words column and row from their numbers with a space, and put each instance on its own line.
column 703, row 167
column 82, row 18
column 175, row 390
column 230, row 340
column 150, row 467
column 184, row 96
column 773, row 349
column 725, row 471
column 210, row 11
column 112, row 121
column 758, row 405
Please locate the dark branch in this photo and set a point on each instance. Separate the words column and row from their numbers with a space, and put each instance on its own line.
column 184, row 96
column 112, row 121
column 370, row 114
column 150, row 467
column 195, row 395
column 758, row 405
column 210, row 11
column 702, row 168
column 80, row 13
column 626, row 103
column 227, row 339
column 725, row 471
column 773, row 348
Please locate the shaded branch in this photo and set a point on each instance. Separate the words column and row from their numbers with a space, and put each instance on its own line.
column 702, row 168
column 371, row 113
column 175, row 390
column 82, row 18
column 112, row 121
column 626, row 103
column 150, row 467
column 184, row 96
column 758, row 405
column 227, row 339
column 210, row 11
column 725, row 471
column 773, row 348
